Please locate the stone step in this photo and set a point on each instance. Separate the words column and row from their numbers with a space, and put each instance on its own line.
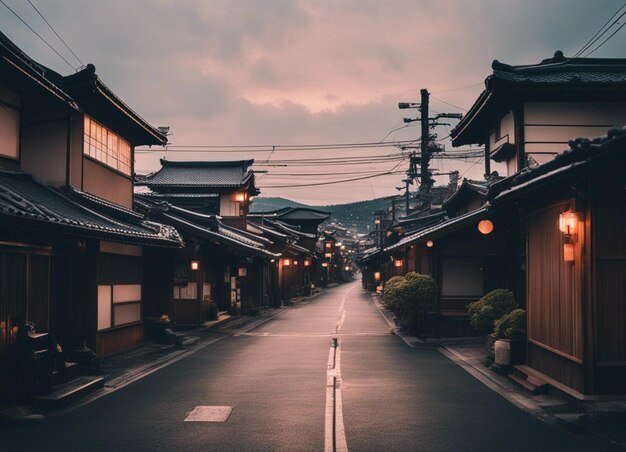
column 527, row 385
column 71, row 370
column 529, row 379
column 70, row 391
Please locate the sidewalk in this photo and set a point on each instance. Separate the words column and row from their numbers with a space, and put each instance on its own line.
column 603, row 418
column 126, row 367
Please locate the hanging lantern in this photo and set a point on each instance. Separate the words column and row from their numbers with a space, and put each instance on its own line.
column 429, row 244
column 398, row 263
column 567, row 222
column 376, row 276
column 485, row 227
column 195, row 265
column 324, row 264
column 307, row 262
column 286, row 262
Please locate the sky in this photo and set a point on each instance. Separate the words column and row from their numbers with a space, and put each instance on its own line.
column 263, row 73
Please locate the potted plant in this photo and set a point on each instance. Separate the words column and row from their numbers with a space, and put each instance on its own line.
column 484, row 312
column 510, row 346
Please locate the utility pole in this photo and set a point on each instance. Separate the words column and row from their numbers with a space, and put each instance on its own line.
column 426, row 181
column 426, row 147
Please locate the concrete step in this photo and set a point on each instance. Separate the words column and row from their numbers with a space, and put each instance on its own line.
column 529, row 380
column 70, row 391
column 71, row 371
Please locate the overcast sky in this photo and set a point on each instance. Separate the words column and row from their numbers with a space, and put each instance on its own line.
column 279, row 72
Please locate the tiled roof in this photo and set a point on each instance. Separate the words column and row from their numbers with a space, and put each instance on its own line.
column 207, row 226
column 445, row 226
column 557, row 74
column 582, row 152
column 211, row 175
column 560, row 69
column 21, row 197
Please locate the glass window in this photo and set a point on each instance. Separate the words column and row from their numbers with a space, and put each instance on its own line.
column 106, row 147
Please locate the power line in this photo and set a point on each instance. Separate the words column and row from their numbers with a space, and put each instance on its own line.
column 210, row 148
column 601, row 32
column 38, row 35
column 603, row 42
column 448, row 103
column 316, row 184
column 55, row 32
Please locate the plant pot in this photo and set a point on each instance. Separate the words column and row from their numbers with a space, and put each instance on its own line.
column 508, row 353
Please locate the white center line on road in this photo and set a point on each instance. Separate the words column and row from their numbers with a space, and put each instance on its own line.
column 334, row 431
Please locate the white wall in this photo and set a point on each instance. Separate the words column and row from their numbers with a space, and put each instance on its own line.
column 548, row 126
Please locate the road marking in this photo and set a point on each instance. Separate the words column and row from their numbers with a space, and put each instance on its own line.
column 334, row 431
column 365, row 333
column 209, row 414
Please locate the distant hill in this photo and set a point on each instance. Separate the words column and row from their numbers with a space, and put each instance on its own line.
column 263, row 204
column 358, row 215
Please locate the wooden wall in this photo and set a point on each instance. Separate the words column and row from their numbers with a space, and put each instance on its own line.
column 119, row 339
column 554, row 297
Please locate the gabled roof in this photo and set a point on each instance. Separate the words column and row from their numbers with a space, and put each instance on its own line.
column 102, row 104
column 207, row 226
column 440, row 229
column 84, row 91
column 582, row 154
column 30, row 204
column 18, row 68
column 555, row 78
column 200, row 175
column 467, row 189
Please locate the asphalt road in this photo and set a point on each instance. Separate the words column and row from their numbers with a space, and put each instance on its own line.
column 275, row 378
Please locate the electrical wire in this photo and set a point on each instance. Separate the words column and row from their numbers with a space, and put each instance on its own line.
column 600, row 32
column 604, row 42
column 38, row 35
column 448, row 103
column 55, row 32
column 268, row 148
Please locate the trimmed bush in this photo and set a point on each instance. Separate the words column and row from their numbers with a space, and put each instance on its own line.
column 511, row 325
column 484, row 312
column 391, row 293
column 417, row 295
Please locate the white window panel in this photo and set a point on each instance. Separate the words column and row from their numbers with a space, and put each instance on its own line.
column 104, row 307
column 126, row 292
column 127, row 313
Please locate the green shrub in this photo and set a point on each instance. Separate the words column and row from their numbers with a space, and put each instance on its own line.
column 417, row 295
column 511, row 325
column 392, row 290
column 484, row 312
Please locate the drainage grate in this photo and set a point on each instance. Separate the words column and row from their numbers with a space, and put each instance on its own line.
column 209, row 414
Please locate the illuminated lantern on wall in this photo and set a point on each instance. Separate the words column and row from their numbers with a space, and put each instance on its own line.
column 324, row 264
column 567, row 222
column 239, row 197
column 429, row 244
column 295, row 262
column 195, row 265
column 398, row 262
column 485, row 227
column 286, row 262
column 567, row 225
column 242, row 272
column 307, row 262
column 328, row 255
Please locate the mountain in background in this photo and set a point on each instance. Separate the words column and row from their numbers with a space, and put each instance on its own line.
column 356, row 215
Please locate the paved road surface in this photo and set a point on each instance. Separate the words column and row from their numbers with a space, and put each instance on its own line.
column 275, row 378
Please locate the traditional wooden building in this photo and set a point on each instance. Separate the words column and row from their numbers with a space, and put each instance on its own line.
column 72, row 251
column 224, row 261
column 527, row 114
column 574, row 211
